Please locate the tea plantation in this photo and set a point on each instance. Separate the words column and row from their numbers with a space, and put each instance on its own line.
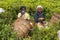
column 12, row 8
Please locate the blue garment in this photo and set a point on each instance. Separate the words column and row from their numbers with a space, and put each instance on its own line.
column 38, row 15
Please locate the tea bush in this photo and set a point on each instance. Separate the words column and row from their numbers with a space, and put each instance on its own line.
column 12, row 8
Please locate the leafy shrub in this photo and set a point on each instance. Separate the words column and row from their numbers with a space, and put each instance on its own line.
column 12, row 7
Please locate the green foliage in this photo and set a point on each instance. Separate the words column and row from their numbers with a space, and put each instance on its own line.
column 6, row 32
column 12, row 7
column 49, row 33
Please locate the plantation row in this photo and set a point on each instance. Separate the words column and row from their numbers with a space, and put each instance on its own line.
column 12, row 8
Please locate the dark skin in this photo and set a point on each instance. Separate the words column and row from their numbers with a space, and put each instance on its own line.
column 23, row 9
column 40, row 10
column 26, row 19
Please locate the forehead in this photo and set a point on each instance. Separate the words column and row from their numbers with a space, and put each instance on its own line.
column 23, row 8
column 39, row 8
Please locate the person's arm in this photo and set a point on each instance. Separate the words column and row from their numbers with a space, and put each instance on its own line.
column 36, row 17
column 43, row 17
column 27, row 17
column 19, row 15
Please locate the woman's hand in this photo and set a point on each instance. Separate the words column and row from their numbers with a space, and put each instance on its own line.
column 41, row 19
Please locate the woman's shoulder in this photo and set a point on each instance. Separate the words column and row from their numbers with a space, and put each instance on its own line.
column 19, row 13
column 36, row 13
column 26, row 13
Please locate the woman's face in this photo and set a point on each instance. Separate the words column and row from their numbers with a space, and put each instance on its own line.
column 39, row 10
column 23, row 10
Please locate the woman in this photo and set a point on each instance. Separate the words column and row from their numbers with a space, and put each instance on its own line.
column 23, row 14
column 39, row 16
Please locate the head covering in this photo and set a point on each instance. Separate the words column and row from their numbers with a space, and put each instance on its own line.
column 23, row 7
column 39, row 6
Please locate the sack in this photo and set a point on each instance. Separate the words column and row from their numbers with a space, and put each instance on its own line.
column 21, row 27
